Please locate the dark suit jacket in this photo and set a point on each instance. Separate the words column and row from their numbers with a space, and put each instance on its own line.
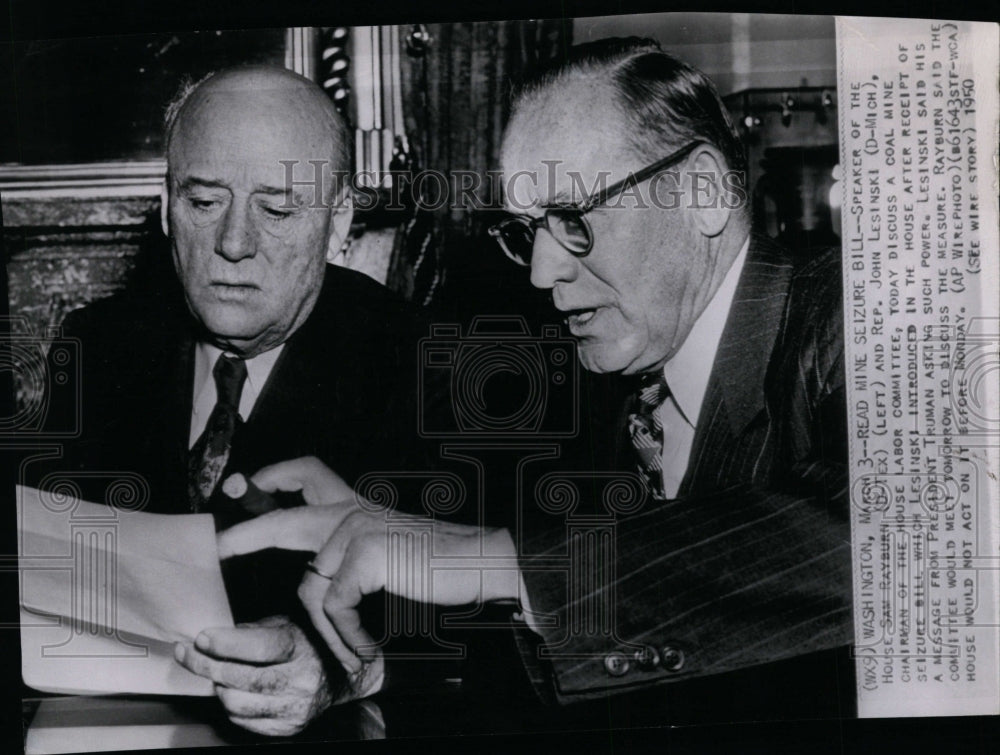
column 751, row 564
column 344, row 389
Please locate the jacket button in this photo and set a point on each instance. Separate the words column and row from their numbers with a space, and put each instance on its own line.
column 671, row 658
column 647, row 658
column 616, row 664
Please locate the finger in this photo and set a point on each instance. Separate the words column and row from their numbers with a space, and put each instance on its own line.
column 329, row 557
column 311, row 593
column 268, row 727
column 287, row 476
column 289, row 529
column 355, row 578
column 251, row 644
column 313, row 590
column 186, row 655
column 372, row 679
column 326, row 486
column 197, row 662
column 269, row 621
column 262, row 714
column 235, row 486
column 319, row 484
column 303, row 528
column 347, row 623
column 248, row 496
column 233, row 675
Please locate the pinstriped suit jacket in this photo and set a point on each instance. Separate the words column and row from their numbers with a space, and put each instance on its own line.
column 751, row 563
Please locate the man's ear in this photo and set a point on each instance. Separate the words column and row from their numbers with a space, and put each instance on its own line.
column 165, row 207
column 708, row 197
column 341, row 215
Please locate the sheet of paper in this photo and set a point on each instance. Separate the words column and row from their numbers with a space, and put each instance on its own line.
column 106, row 592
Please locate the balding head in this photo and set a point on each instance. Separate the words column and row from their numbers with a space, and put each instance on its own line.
column 298, row 102
column 257, row 158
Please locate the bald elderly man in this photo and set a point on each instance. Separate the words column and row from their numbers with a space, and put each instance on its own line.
column 252, row 350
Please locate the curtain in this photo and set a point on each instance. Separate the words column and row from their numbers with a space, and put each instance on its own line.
column 457, row 91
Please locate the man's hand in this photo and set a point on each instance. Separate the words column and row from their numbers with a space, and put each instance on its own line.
column 303, row 528
column 431, row 561
column 269, row 677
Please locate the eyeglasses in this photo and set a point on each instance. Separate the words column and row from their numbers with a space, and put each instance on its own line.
column 568, row 225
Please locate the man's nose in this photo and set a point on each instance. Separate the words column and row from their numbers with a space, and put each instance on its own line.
column 551, row 262
column 235, row 241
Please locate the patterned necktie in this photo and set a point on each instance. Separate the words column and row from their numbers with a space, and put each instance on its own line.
column 646, row 431
column 207, row 458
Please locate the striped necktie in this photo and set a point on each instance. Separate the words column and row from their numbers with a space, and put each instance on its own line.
column 646, row 430
column 210, row 453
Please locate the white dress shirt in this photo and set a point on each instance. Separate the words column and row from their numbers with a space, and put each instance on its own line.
column 687, row 375
column 205, row 398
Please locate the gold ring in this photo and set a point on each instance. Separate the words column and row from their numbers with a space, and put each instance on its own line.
column 311, row 566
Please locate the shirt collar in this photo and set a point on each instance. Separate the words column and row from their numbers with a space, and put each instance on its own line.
column 688, row 371
column 258, row 370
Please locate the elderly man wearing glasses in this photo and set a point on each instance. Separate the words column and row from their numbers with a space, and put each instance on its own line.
column 633, row 215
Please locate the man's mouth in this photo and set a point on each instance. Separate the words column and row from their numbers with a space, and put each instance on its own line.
column 233, row 289
column 578, row 319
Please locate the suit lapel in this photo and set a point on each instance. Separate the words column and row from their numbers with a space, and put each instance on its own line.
column 312, row 377
column 735, row 394
column 177, row 428
column 753, row 325
column 163, row 420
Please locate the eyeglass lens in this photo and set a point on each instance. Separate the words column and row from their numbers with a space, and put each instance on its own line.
column 569, row 229
column 566, row 226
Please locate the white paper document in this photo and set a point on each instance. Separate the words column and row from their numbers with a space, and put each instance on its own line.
column 106, row 592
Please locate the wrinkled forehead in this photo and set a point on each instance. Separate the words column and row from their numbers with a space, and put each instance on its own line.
column 562, row 145
column 266, row 135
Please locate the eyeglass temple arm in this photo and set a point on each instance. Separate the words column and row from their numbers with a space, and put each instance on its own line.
column 641, row 175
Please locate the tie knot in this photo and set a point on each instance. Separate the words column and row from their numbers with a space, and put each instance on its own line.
column 653, row 391
column 230, row 374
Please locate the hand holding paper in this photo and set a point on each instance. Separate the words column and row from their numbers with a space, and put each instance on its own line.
column 105, row 594
column 268, row 676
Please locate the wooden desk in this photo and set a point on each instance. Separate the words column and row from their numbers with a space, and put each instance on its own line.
column 93, row 724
